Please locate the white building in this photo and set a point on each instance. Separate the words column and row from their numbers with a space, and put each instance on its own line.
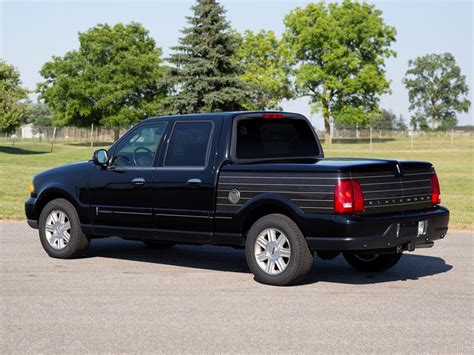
column 27, row 131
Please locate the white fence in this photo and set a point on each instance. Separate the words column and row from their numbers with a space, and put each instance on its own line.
column 103, row 136
column 93, row 135
column 350, row 133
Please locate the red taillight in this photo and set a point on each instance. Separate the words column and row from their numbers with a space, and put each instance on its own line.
column 272, row 116
column 435, row 191
column 358, row 197
column 348, row 197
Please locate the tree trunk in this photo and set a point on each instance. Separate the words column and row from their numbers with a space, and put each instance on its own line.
column 328, row 133
column 433, row 123
column 326, row 99
column 116, row 134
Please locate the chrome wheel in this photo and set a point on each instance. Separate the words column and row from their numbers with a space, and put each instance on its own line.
column 272, row 251
column 58, row 229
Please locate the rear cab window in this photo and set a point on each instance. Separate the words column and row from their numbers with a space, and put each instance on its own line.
column 276, row 137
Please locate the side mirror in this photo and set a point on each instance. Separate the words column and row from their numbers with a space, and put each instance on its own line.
column 100, row 157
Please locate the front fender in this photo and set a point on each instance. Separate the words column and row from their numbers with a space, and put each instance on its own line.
column 58, row 190
column 35, row 204
column 68, row 181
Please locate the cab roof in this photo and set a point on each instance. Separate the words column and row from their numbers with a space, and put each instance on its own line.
column 223, row 115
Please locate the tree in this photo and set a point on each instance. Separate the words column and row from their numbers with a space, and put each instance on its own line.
column 204, row 76
column 340, row 51
column 266, row 63
column 436, row 90
column 114, row 79
column 39, row 114
column 378, row 119
column 418, row 121
column 388, row 120
column 12, row 94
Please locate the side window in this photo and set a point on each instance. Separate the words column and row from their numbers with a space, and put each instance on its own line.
column 139, row 148
column 189, row 144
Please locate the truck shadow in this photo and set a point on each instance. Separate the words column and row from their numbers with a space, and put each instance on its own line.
column 411, row 266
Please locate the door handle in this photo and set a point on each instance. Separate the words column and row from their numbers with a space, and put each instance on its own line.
column 193, row 182
column 138, row 181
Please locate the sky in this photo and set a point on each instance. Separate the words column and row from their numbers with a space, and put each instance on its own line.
column 31, row 32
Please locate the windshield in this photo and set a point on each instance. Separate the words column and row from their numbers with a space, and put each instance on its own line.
column 258, row 138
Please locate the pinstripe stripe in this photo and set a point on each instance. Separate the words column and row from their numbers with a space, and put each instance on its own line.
column 249, row 184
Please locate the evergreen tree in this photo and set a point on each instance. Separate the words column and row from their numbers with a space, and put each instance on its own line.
column 203, row 75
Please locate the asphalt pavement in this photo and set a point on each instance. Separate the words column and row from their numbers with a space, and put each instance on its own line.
column 124, row 297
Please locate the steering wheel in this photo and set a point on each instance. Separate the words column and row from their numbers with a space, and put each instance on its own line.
column 137, row 160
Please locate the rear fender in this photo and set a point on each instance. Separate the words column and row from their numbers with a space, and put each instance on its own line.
column 265, row 204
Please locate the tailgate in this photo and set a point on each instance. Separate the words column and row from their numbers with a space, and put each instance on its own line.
column 405, row 188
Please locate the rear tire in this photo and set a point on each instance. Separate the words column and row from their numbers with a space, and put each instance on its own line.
column 158, row 245
column 60, row 230
column 277, row 252
column 372, row 262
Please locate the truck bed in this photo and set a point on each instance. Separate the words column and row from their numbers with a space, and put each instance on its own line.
column 387, row 185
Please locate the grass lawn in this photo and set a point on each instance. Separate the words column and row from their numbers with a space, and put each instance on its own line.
column 20, row 163
column 454, row 163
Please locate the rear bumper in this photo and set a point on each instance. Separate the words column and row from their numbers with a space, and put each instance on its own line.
column 387, row 232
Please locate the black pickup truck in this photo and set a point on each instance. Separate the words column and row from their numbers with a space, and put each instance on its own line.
column 257, row 180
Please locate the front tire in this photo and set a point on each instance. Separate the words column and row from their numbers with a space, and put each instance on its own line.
column 277, row 252
column 60, row 230
column 372, row 262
